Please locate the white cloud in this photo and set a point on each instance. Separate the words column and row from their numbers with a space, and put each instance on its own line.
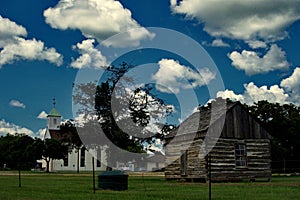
column 29, row 50
column 219, row 43
column 81, row 119
column 11, row 128
column 14, row 47
column 42, row 115
column 273, row 94
column 256, row 44
column 253, row 94
column 10, row 30
column 156, row 145
column 252, row 63
column 90, row 56
column 131, row 37
column 41, row 133
column 98, row 19
column 230, row 95
column 292, row 85
column 246, row 20
column 16, row 103
column 172, row 76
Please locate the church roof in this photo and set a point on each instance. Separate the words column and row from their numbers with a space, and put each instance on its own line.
column 54, row 113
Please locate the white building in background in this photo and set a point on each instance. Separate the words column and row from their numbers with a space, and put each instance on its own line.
column 155, row 161
column 72, row 159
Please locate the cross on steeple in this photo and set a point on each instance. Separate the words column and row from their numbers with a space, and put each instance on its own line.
column 54, row 102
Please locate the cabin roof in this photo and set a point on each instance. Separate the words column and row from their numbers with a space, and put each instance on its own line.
column 201, row 120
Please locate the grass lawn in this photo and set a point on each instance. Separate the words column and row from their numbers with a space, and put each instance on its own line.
column 79, row 186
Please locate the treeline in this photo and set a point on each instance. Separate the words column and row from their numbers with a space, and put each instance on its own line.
column 283, row 124
column 21, row 152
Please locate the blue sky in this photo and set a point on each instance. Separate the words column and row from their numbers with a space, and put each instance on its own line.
column 44, row 45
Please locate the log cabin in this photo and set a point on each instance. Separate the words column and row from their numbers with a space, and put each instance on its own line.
column 227, row 140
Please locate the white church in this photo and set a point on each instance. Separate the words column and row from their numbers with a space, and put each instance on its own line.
column 71, row 161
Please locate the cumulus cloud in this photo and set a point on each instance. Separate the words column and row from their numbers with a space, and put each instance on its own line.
column 15, row 47
column 10, row 30
column 292, row 85
column 131, row 37
column 41, row 133
column 11, row 128
column 98, row 19
column 42, row 115
column 81, row 119
column 16, row 103
column 90, row 56
column 252, row 63
column 172, row 76
column 253, row 94
column 245, row 20
column 219, row 43
column 256, row 44
column 229, row 94
column 29, row 50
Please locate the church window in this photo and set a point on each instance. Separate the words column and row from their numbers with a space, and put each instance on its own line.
column 66, row 160
column 99, row 157
column 82, row 157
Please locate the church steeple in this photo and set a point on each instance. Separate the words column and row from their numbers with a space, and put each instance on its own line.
column 53, row 118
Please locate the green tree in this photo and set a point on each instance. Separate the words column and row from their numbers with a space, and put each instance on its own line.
column 53, row 149
column 23, row 151
column 115, row 106
column 282, row 122
column 5, row 142
column 20, row 152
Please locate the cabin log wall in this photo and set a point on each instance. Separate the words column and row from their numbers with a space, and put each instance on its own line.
column 239, row 127
column 258, row 160
column 222, row 161
column 196, row 165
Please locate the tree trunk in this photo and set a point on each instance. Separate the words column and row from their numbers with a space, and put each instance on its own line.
column 48, row 165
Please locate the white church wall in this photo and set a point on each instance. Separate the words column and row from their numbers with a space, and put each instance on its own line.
column 58, row 165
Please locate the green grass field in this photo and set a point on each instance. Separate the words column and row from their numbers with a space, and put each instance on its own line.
column 80, row 186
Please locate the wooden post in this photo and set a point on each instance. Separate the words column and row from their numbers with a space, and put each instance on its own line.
column 19, row 177
column 208, row 163
column 284, row 165
column 209, row 177
column 93, row 163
